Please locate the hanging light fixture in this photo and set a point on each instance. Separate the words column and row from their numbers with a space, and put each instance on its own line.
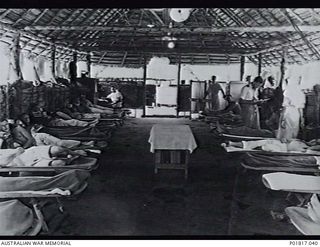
column 179, row 15
column 171, row 45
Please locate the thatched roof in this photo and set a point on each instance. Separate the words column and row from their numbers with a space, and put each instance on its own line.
column 128, row 36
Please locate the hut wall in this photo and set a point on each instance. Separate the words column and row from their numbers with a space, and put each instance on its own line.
column 100, row 71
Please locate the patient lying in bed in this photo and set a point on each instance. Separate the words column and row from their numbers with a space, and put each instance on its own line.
column 38, row 156
column 47, row 139
column 274, row 145
column 242, row 131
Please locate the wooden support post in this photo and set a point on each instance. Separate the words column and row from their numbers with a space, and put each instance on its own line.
column 89, row 64
column 144, row 86
column 75, row 56
column 53, row 60
column 178, row 83
column 259, row 64
column 16, row 55
column 242, row 64
column 73, row 68
column 282, row 67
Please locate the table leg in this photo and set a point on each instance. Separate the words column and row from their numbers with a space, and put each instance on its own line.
column 186, row 173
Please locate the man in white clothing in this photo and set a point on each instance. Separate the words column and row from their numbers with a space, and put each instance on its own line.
column 116, row 98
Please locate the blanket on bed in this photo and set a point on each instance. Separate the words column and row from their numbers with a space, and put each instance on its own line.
column 71, row 180
column 287, row 160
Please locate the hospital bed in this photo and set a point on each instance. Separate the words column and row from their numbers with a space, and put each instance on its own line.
column 35, row 189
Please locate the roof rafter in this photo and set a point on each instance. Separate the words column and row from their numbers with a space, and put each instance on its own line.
column 39, row 17
column 308, row 43
column 280, row 34
column 157, row 17
column 248, row 29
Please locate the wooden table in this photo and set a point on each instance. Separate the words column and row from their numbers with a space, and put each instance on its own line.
column 172, row 146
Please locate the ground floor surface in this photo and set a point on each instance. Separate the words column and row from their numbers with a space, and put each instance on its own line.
column 126, row 198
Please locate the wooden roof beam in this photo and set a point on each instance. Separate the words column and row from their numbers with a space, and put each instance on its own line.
column 143, row 49
column 295, row 15
column 21, row 17
column 280, row 34
column 109, row 13
column 270, row 37
column 248, row 29
column 250, row 35
column 308, row 43
column 56, row 15
column 124, row 58
column 35, row 21
column 157, row 17
column 315, row 14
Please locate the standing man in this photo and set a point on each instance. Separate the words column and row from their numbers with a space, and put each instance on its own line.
column 249, row 103
column 116, row 98
column 213, row 94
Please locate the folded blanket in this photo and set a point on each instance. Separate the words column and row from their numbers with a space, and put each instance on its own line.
column 306, row 220
column 90, row 133
column 291, row 182
column 269, row 160
column 246, row 131
column 16, row 218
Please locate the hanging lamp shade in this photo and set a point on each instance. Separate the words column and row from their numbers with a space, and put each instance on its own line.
column 179, row 15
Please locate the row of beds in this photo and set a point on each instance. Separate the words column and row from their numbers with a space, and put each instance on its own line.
column 34, row 186
column 294, row 172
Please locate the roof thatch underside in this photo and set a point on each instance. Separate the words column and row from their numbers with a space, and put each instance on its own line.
column 209, row 36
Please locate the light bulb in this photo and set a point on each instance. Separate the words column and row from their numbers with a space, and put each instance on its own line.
column 171, row 45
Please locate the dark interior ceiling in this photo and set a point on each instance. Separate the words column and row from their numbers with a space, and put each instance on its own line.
column 128, row 37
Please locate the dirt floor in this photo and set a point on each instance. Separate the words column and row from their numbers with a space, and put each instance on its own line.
column 126, row 198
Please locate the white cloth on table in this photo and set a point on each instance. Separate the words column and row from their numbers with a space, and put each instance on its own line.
column 291, row 182
column 172, row 137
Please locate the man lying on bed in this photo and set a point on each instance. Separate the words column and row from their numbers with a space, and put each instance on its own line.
column 241, row 131
column 274, row 145
column 233, row 108
column 230, row 115
column 25, row 137
column 69, row 111
column 53, row 119
column 85, row 106
column 39, row 156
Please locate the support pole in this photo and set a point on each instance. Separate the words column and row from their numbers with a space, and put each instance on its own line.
column 16, row 55
column 178, row 83
column 73, row 68
column 282, row 66
column 53, row 60
column 144, row 86
column 259, row 64
column 242, row 67
column 89, row 64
